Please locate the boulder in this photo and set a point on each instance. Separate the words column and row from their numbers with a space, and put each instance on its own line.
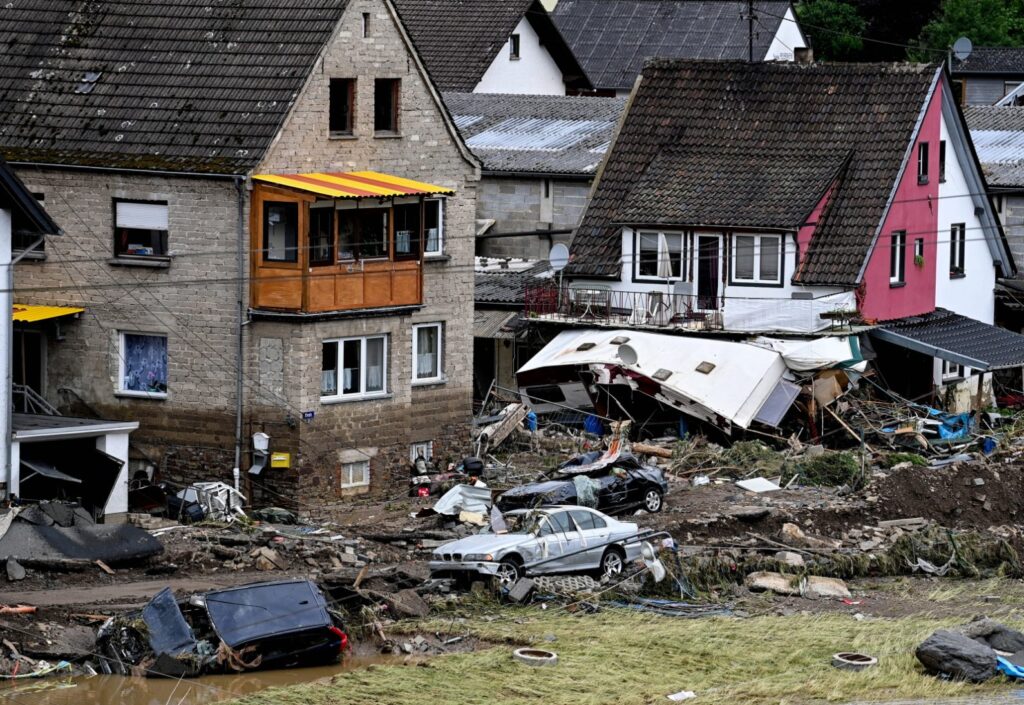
column 406, row 603
column 826, row 587
column 773, row 582
column 794, row 560
column 994, row 635
column 957, row 656
column 793, row 535
column 267, row 559
column 15, row 571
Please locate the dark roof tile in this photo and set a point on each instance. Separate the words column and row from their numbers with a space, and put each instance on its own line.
column 189, row 85
column 700, row 142
column 991, row 60
column 998, row 348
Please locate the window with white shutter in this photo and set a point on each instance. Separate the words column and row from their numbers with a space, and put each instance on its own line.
column 140, row 228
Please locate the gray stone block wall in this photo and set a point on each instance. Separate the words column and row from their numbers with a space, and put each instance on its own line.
column 515, row 204
column 1013, row 224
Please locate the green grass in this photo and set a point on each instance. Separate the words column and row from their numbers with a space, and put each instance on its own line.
column 620, row 658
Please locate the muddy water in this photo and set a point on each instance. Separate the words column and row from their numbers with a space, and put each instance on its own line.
column 120, row 690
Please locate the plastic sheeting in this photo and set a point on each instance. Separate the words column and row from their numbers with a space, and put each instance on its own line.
column 785, row 315
column 817, row 354
column 586, row 491
column 464, row 498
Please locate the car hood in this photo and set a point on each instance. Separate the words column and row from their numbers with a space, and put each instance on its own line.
column 483, row 543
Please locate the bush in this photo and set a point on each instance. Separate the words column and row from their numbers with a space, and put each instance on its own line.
column 828, row 470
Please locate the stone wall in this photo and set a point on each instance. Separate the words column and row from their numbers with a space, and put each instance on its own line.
column 519, row 205
column 1012, row 214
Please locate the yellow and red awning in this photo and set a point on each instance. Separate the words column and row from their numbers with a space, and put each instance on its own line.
column 353, row 184
column 29, row 313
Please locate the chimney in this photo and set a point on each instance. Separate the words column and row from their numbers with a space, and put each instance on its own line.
column 803, row 55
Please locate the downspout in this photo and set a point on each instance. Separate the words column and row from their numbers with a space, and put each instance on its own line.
column 239, row 367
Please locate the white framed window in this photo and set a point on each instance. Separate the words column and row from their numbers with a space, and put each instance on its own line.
column 757, row 259
column 424, row 448
column 898, row 257
column 355, row 474
column 142, row 365
column 433, row 227
column 662, row 256
column 922, row 163
column 951, row 370
column 957, row 246
column 354, row 368
column 427, row 353
column 140, row 228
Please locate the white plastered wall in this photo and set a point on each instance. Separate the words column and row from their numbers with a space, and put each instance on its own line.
column 786, row 40
column 534, row 72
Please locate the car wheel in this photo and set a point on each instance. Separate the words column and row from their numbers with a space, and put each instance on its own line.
column 652, row 501
column 509, row 571
column 613, row 562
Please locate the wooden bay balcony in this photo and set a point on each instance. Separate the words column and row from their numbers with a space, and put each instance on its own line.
column 337, row 242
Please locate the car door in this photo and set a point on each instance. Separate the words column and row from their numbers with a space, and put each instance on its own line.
column 594, row 534
column 612, row 495
column 559, row 536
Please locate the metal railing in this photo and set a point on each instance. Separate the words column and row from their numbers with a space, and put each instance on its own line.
column 26, row 400
column 625, row 308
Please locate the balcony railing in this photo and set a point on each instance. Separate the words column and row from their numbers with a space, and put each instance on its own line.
column 690, row 312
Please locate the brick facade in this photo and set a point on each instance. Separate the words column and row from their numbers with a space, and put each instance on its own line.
column 190, row 435
column 517, row 204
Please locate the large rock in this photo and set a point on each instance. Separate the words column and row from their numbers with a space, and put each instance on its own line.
column 406, row 603
column 793, row 535
column 15, row 571
column 773, row 582
column 958, row 656
column 995, row 635
column 826, row 587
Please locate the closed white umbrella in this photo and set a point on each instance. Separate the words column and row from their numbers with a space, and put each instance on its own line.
column 660, row 312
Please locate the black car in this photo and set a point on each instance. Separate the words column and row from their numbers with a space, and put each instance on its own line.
column 613, row 485
column 257, row 626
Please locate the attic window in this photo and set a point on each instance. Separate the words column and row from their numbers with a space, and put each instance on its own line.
column 366, row 24
column 586, row 346
column 620, row 340
column 662, row 374
column 705, row 367
column 513, row 47
column 922, row 163
column 88, row 82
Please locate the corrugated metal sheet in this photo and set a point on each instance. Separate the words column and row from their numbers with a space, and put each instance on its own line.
column 464, row 121
column 536, row 134
column 998, row 145
column 489, row 324
column 27, row 313
column 353, row 184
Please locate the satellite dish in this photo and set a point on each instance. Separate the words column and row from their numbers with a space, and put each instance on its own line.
column 627, row 353
column 962, row 48
column 558, row 257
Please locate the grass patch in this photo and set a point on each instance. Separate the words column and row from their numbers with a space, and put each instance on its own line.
column 623, row 658
column 830, row 469
column 893, row 459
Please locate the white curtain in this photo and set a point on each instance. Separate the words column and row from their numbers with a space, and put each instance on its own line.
column 375, row 365
column 426, row 352
column 329, row 382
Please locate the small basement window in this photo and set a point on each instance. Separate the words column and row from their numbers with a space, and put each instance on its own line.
column 385, row 106
column 355, row 474
column 142, row 362
column 140, row 228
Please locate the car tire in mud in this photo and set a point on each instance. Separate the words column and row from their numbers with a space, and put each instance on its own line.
column 653, row 501
column 509, row 571
column 613, row 563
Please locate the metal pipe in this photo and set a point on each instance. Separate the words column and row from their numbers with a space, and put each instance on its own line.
column 7, row 347
column 239, row 368
column 525, row 233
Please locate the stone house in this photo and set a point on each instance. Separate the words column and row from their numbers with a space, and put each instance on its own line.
column 269, row 223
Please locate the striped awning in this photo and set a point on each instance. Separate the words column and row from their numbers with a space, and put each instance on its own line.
column 353, row 184
column 28, row 313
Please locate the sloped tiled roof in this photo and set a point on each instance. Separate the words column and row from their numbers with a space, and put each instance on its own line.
column 998, row 136
column 957, row 338
column 612, row 38
column 553, row 134
column 991, row 60
column 458, row 39
column 185, row 85
column 704, row 137
column 498, row 286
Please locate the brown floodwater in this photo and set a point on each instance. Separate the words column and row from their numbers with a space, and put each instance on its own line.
column 122, row 690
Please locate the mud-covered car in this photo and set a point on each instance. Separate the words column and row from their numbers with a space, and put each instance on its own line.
column 257, row 626
column 613, row 484
column 557, row 536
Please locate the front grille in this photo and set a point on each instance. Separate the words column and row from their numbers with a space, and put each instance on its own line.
column 447, row 556
column 457, row 556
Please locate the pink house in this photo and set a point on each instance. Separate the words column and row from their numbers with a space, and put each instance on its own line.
column 787, row 199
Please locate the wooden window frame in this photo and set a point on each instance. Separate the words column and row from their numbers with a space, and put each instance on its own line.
column 349, row 87
column 395, row 128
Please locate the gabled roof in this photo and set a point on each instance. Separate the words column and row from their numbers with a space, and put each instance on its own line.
column 26, row 213
column 700, row 142
column 183, row 85
column 458, row 39
column 612, row 38
column 536, row 134
column 997, row 61
column 998, row 136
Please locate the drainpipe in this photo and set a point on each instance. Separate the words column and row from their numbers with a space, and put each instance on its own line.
column 239, row 368
column 6, row 347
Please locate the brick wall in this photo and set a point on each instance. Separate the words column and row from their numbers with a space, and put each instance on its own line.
column 517, row 205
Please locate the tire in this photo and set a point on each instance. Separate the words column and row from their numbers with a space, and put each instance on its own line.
column 535, row 657
column 653, row 501
column 509, row 571
column 613, row 563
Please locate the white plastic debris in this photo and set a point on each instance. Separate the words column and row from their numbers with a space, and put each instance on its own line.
column 758, row 484
column 682, row 695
